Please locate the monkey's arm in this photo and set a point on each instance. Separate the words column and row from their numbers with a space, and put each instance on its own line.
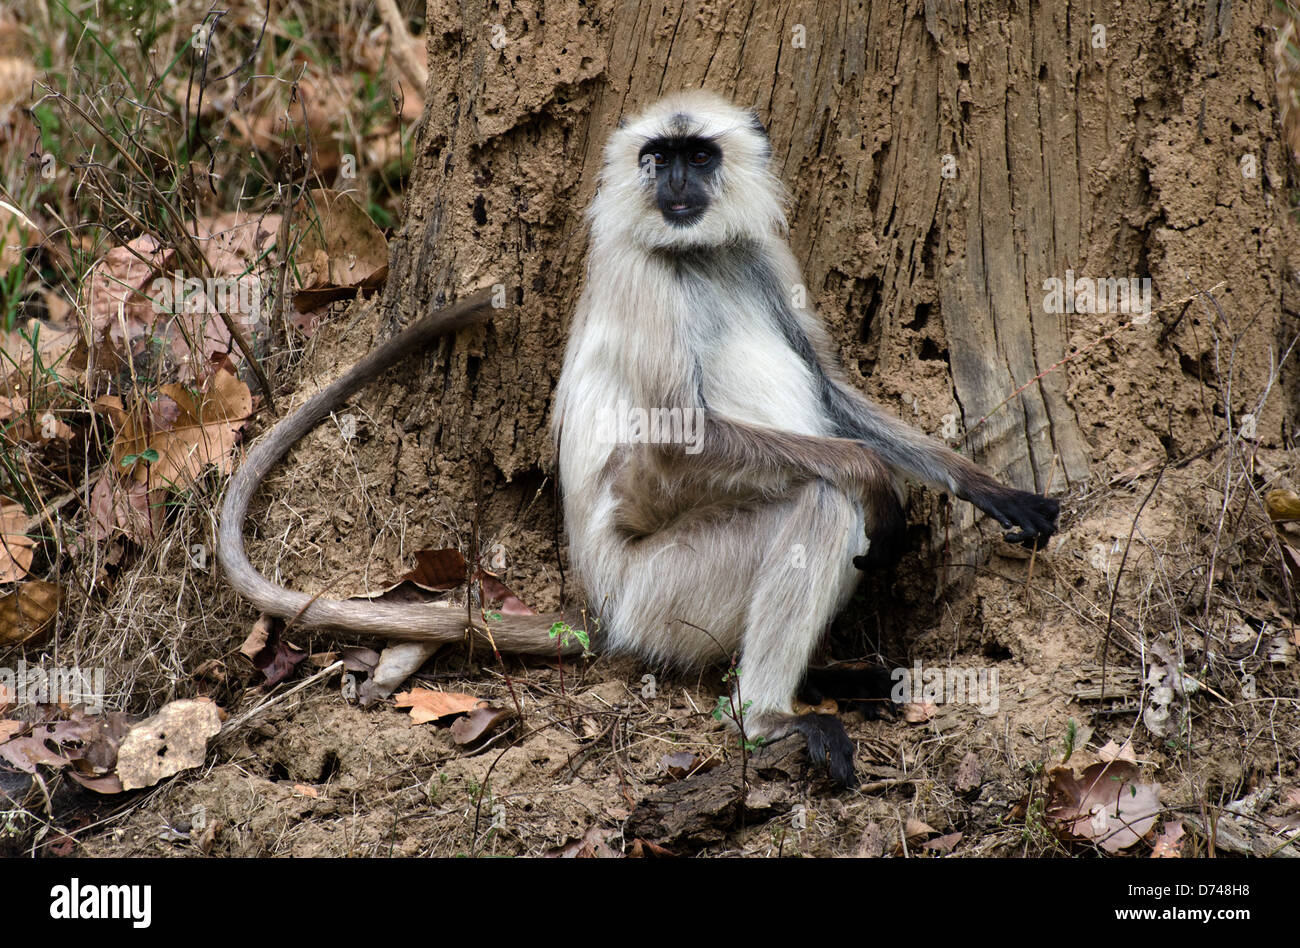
column 736, row 462
column 1033, row 516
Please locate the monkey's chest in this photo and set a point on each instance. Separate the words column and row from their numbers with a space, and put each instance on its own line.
column 753, row 375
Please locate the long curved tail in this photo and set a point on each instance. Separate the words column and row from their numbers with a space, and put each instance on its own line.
column 428, row 622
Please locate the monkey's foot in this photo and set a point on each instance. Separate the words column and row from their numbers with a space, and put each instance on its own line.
column 868, row 689
column 828, row 746
column 1033, row 515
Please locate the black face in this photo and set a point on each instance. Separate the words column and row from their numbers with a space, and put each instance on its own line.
column 682, row 169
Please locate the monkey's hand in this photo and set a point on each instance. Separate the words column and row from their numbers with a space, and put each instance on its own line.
column 1032, row 516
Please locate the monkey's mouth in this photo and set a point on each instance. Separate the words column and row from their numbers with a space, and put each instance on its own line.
column 679, row 213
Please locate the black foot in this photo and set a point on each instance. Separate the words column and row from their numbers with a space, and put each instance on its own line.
column 888, row 536
column 828, row 746
column 867, row 688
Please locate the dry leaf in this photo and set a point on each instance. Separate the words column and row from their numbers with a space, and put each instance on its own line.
column 1104, row 804
column 106, row 784
column 592, row 846
column 174, row 739
column 138, row 297
column 435, row 571
column 681, row 764
column 54, row 349
column 944, row 844
column 205, row 432
column 26, row 753
column 1169, row 844
column 28, row 611
column 1282, row 505
column 271, row 655
column 16, row 548
column 917, row 830
column 445, row 569
column 477, row 724
column 397, row 663
column 644, row 849
column 258, row 637
column 122, row 505
column 428, row 705
column 358, row 658
column 209, row 836
column 347, row 249
column 918, row 712
column 1113, row 751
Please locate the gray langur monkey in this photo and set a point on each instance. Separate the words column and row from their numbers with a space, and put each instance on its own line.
column 722, row 482
column 749, row 535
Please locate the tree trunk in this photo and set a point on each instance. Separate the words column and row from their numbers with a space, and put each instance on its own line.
column 943, row 161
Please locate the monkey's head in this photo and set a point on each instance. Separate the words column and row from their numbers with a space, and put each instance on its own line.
column 692, row 170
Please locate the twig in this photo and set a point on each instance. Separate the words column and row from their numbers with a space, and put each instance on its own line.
column 230, row 726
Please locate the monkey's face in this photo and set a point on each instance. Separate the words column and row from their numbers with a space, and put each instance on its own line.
column 692, row 171
column 682, row 172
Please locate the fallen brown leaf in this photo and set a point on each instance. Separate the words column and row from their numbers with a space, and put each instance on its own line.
column 16, row 548
column 944, row 844
column 26, row 753
column 1113, row 751
column 107, row 784
column 592, row 845
column 477, row 724
column 1169, row 844
column 645, row 849
column 1282, row 505
column 681, row 764
column 916, row 830
column 344, row 246
column 205, row 432
column 1105, row 804
column 258, row 637
column 174, row 739
column 28, row 611
column 918, row 712
column 428, row 705
column 122, row 505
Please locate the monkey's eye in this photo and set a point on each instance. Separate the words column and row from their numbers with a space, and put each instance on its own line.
column 660, row 160
column 701, row 158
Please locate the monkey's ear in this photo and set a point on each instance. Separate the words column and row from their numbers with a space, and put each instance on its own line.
column 622, row 121
column 756, row 123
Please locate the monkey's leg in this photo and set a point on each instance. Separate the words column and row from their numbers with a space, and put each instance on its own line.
column 806, row 575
